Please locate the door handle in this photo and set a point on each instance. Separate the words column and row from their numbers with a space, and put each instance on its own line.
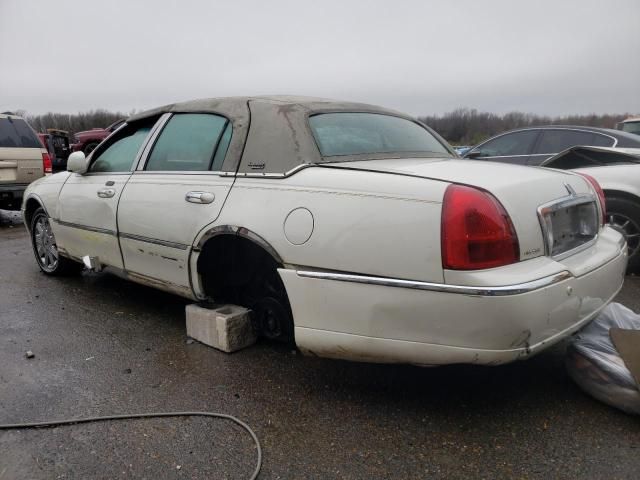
column 106, row 192
column 199, row 197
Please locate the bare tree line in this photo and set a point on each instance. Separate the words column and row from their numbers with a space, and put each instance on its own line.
column 74, row 122
column 462, row 126
column 466, row 126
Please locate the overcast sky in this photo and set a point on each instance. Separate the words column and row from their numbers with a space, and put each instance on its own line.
column 423, row 57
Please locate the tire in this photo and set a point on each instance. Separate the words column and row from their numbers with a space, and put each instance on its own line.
column 623, row 214
column 46, row 250
column 90, row 147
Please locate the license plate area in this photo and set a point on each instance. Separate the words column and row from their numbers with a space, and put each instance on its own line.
column 569, row 225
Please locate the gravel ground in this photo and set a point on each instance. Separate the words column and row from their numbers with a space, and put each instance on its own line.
column 105, row 346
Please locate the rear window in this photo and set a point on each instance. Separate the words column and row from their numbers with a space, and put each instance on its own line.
column 369, row 133
column 15, row 133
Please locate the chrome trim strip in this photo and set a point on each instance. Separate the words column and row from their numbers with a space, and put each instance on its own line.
column 288, row 173
column 147, row 145
column 241, row 232
column 491, row 291
column 155, row 241
column 85, row 227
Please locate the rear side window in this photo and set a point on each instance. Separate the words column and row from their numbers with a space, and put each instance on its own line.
column 190, row 142
column 516, row 143
column 554, row 141
column 368, row 133
column 15, row 133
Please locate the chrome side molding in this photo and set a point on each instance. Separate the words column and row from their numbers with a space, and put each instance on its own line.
column 491, row 291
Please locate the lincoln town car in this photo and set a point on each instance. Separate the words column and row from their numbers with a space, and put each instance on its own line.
column 349, row 230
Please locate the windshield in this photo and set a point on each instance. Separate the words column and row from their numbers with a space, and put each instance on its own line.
column 631, row 127
column 371, row 133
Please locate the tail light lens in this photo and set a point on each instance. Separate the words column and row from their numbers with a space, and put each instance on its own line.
column 598, row 189
column 46, row 163
column 476, row 231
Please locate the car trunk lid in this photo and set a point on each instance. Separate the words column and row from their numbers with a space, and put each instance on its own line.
column 541, row 202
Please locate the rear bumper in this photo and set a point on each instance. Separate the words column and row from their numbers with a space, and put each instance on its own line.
column 356, row 319
column 11, row 195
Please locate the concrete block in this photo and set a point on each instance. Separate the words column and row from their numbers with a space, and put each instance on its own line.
column 224, row 327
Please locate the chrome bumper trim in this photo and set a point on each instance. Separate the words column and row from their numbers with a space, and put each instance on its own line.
column 497, row 291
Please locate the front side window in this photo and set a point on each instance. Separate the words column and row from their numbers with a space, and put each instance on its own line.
column 371, row 133
column 191, row 142
column 122, row 150
column 516, row 143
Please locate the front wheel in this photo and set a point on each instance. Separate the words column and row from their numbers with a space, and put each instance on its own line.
column 624, row 215
column 45, row 248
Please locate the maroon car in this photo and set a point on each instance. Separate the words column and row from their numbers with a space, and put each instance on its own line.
column 89, row 139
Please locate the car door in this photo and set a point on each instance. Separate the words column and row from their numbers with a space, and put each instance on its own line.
column 555, row 140
column 513, row 147
column 177, row 190
column 87, row 205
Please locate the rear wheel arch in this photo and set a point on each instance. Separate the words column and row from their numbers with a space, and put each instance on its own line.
column 623, row 214
column 235, row 265
column 610, row 193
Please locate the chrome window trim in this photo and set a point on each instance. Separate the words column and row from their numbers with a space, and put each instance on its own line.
column 489, row 291
column 179, row 172
column 570, row 201
column 286, row 174
column 151, row 140
column 155, row 241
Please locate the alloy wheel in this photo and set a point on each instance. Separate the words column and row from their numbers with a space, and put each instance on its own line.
column 45, row 244
column 629, row 228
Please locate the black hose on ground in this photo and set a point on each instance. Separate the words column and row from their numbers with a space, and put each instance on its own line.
column 16, row 426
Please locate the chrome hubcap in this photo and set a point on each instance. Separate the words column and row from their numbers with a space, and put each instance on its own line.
column 45, row 244
column 627, row 227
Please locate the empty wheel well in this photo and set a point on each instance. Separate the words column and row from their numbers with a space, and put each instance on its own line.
column 237, row 270
column 229, row 261
column 30, row 208
column 621, row 194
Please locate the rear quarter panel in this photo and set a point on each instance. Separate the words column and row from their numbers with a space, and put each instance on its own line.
column 363, row 222
column 624, row 178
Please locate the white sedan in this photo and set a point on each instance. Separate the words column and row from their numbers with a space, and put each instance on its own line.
column 617, row 170
column 351, row 230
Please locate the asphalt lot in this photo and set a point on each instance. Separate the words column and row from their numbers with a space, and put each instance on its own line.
column 105, row 346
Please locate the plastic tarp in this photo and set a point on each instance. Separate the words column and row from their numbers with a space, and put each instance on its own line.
column 595, row 364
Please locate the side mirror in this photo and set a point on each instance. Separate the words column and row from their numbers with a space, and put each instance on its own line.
column 476, row 154
column 77, row 163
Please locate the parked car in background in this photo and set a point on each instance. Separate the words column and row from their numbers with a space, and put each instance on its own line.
column 57, row 144
column 630, row 125
column 532, row 146
column 87, row 140
column 461, row 150
column 352, row 230
column 23, row 159
column 617, row 170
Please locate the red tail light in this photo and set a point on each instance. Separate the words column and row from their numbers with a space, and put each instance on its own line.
column 598, row 189
column 476, row 231
column 46, row 162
